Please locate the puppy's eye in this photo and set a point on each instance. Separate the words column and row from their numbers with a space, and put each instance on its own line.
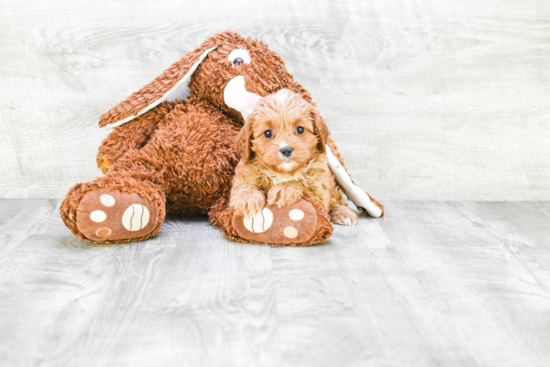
column 268, row 133
column 239, row 57
column 300, row 130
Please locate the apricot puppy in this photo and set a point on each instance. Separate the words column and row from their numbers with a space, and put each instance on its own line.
column 282, row 148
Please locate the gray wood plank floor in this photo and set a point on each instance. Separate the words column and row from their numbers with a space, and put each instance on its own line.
column 435, row 283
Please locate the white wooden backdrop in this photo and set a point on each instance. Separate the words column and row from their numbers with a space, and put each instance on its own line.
column 428, row 99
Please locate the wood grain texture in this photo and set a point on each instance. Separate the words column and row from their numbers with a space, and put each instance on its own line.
column 428, row 100
column 433, row 284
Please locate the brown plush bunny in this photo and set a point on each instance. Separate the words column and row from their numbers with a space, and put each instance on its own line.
column 173, row 149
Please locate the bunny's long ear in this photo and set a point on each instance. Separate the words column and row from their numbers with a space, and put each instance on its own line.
column 171, row 84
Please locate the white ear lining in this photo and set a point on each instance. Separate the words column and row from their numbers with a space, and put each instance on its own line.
column 178, row 91
column 352, row 191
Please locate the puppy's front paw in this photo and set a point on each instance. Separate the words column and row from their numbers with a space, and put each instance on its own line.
column 246, row 203
column 343, row 215
column 284, row 195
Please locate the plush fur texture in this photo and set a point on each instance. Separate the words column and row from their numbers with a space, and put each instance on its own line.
column 146, row 190
column 224, row 220
column 181, row 155
column 281, row 122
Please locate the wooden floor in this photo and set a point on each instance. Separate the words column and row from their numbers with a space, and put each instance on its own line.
column 434, row 283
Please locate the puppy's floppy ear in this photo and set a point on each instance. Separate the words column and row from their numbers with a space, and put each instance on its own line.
column 320, row 128
column 243, row 144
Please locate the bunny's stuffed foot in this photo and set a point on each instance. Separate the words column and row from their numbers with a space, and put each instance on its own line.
column 304, row 223
column 113, row 215
column 108, row 215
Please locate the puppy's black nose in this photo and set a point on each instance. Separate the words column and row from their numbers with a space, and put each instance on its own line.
column 286, row 151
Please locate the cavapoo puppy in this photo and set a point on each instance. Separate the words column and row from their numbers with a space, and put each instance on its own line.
column 282, row 148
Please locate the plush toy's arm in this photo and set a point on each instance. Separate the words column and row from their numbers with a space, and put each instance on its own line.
column 131, row 136
column 359, row 197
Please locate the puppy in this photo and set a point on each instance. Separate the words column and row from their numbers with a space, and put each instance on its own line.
column 282, row 148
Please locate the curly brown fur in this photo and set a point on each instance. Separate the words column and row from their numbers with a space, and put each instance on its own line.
column 192, row 158
column 131, row 136
column 247, row 199
column 285, row 122
column 146, row 190
column 265, row 76
column 222, row 216
column 343, row 215
column 185, row 149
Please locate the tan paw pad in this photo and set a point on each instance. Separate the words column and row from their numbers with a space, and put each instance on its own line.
column 260, row 222
column 103, row 232
column 113, row 215
column 290, row 232
column 135, row 217
column 107, row 200
column 296, row 214
column 294, row 223
column 98, row 216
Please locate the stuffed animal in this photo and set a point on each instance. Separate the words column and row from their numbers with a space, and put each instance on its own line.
column 172, row 149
